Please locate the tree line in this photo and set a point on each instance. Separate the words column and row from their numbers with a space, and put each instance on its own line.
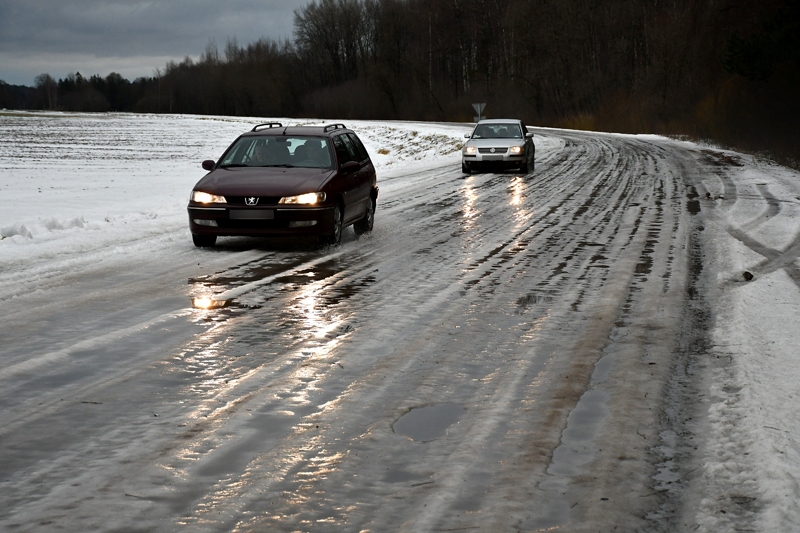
column 727, row 70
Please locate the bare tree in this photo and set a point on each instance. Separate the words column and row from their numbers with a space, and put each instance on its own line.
column 48, row 89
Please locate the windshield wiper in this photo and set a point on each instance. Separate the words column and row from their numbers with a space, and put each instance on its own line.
column 285, row 165
column 233, row 165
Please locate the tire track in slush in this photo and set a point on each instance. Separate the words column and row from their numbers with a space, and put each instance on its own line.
column 497, row 293
column 486, row 257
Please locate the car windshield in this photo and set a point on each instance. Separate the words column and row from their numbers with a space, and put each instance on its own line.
column 497, row 131
column 278, row 151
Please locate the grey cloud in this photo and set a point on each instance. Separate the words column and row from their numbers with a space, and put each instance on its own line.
column 136, row 28
column 123, row 27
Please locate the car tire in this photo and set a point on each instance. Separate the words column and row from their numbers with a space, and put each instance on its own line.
column 335, row 237
column 365, row 224
column 465, row 168
column 204, row 241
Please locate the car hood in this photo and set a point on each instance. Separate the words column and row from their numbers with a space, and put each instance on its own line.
column 497, row 143
column 263, row 181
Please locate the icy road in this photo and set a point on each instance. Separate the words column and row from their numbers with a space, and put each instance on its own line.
column 573, row 350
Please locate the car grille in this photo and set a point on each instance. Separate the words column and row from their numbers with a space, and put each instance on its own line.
column 262, row 200
column 489, row 150
column 253, row 224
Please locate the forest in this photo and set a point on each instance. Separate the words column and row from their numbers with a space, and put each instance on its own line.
column 727, row 71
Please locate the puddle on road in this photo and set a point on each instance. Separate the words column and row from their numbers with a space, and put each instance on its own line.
column 208, row 303
column 247, row 285
column 210, row 310
column 577, row 446
column 428, row 423
column 254, row 272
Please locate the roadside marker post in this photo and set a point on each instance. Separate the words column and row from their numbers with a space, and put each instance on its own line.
column 479, row 110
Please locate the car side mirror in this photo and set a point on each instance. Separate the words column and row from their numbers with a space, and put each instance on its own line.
column 208, row 164
column 350, row 166
column 529, row 135
column 467, row 135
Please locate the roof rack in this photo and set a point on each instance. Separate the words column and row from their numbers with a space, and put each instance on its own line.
column 268, row 125
column 330, row 127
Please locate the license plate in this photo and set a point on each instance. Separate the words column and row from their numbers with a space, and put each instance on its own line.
column 251, row 214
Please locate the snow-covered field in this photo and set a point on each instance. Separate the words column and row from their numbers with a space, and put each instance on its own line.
column 77, row 184
column 82, row 188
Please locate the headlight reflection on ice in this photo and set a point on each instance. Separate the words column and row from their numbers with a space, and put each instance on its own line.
column 205, row 302
column 319, row 325
column 517, row 190
column 469, row 211
column 315, row 319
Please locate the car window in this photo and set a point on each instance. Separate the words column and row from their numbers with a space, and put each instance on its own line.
column 236, row 153
column 355, row 155
column 497, row 131
column 312, row 152
column 288, row 151
column 344, row 149
column 362, row 152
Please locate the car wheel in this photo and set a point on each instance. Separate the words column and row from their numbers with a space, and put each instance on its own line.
column 335, row 237
column 203, row 241
column 365, row 224
column 465, row 168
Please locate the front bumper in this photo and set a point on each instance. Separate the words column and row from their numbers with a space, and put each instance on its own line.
column 260, row 221
column 495, row 160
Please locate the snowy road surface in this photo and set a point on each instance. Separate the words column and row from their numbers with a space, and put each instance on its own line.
column 572, row 350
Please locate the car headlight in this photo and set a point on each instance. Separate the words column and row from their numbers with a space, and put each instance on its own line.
column 470, row 150
column 308, row 198
column 516, row 149
column 205, row 198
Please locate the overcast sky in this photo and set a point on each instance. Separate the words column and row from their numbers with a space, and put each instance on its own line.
column 131, row 37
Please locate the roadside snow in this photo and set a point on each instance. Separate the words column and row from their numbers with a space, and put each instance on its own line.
column 754, row 444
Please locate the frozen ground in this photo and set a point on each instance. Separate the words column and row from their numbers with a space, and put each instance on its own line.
column 94, row 260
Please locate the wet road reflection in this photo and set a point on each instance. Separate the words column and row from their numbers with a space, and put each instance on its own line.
column 440, row 364
column 205, row 302
column 341, row 343
column 469, row 210
column 517, row 188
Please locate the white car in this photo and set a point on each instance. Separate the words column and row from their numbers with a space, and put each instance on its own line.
column 498, row 143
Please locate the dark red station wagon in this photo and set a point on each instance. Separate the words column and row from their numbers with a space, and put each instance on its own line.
column 276, row 180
